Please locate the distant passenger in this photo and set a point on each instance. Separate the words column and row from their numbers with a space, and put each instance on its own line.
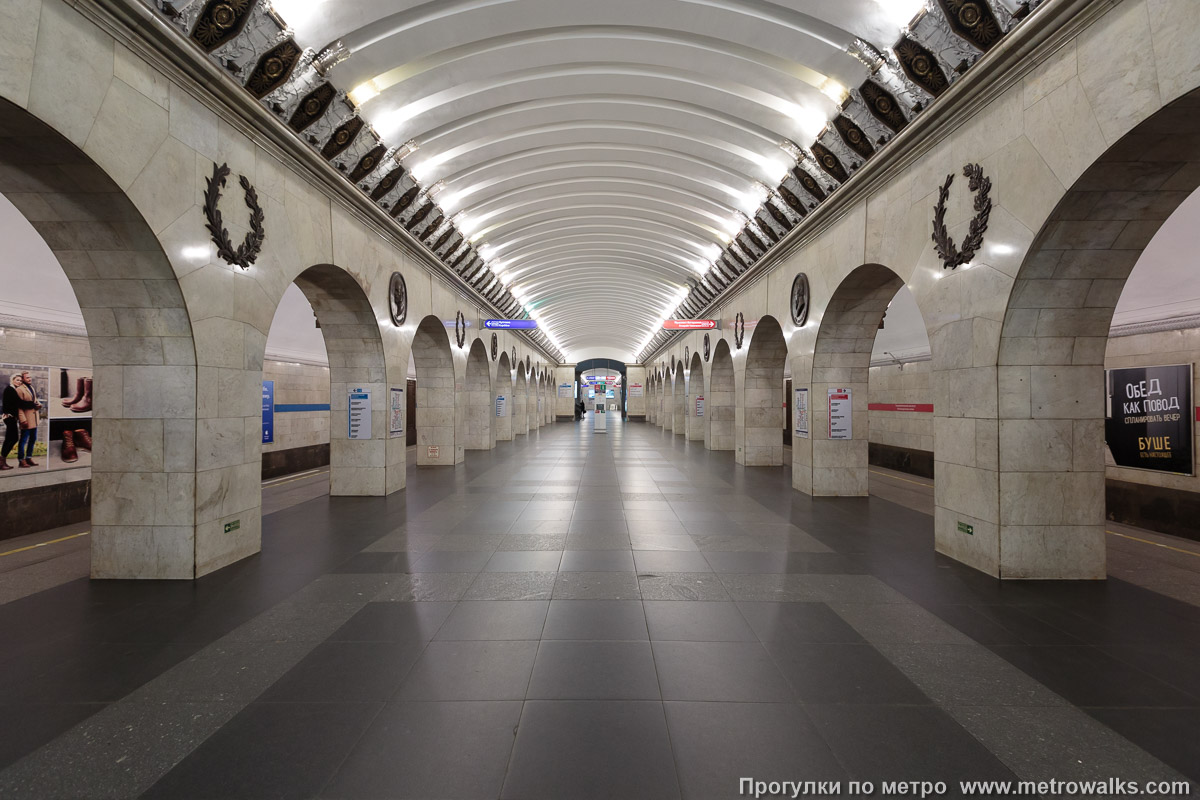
column 580, row 409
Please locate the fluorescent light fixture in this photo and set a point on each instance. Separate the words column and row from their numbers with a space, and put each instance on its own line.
column 752, row 200
column 811, row 120
column 296, row 12
column 902, row 12
column 701, row 266
column 834, row 91
column 363, row 92
column 466, row 224
column 712, row 252
column 486, row 251
column 407, row 149
column 792, row 149
column 733, row 226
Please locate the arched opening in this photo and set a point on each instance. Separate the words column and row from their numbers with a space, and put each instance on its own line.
column 520, row 402
column 761, row 442
column 841, row 374
column 697, row 419
column 358, row 426
column 678, row 400
column 531, row 403
column 479, row 434
column 435, row 409
column 146, row 505
column 503, row 402
column 540, row 413
column 1051, row 382
column 652, row 399
column 720, row 405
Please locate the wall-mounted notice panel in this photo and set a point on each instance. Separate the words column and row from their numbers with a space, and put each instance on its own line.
column 1150, row 422
column 841, row 414
column 268, row 412
column 800, row 413
column 500, row 405
column 396, row 412
column 359, row 418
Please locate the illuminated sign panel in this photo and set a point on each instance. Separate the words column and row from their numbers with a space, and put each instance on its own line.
column 689, row 324
column 510, row 324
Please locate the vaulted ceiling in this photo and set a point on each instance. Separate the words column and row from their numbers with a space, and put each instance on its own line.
column 598, row 153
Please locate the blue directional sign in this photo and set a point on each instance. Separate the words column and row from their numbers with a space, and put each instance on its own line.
column 510, row 324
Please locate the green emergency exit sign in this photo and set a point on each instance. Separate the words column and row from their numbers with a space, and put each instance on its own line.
column 963, row 527
column 237, row 523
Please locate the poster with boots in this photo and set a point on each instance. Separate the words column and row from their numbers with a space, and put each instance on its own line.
column 70, row 435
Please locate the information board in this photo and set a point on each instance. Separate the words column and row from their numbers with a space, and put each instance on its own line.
column 635, row 390
column 800, row 413
column 395, row 412
column 1150, row 422
column 566, row 390
column 359, row 418
column 841, row 414
column 268, row 412
column 500, row 405
column 700, row 406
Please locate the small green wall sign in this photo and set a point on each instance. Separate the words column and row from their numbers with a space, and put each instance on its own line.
column 237, row 523
column 963, row 527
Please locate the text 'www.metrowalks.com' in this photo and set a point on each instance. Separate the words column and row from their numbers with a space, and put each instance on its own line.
column 1110, row 787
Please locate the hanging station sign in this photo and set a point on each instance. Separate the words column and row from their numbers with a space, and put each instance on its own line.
column 1150, row 420
column 510, row 324
column 689, row 324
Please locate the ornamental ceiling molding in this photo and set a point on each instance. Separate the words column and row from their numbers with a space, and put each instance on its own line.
column 254, row 48
column 1007, row 62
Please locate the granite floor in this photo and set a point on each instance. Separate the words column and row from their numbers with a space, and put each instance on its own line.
column 574, row 615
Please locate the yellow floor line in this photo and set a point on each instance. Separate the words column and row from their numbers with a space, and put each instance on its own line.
column 1156, row 544
column 43, row 544
column 906, row 480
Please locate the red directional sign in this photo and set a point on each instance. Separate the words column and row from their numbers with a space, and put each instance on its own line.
column 689, row 324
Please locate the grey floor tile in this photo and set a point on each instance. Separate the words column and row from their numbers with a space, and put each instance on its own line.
column 577, row 670
column 823, row 672
column 470, row 671
column 595, row 620
column 512, row 586
column 800, row 622
column 592, row 749
column 452, row 561
column 716, row 744
column 427, row 587
column 426, row 750
column 701, row 621
column 719, row 671
column 670, row 561
column 597, row 561
column 682, row 586
column 495, row 620
column 596, row 586
column 523, row 561
column 393, row 622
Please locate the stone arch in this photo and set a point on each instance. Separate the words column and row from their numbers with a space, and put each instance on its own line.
column 539, row 412
column 520, row 402
column 697, row 426
column 761, row 431
column 679, row 391
column 720, row 404
column 149, row 506
column 503, row 399
column 842, row 360
column 531, row 402
column 356, row 362
column 478, row 397
column 436, row 412
column 1050, row 381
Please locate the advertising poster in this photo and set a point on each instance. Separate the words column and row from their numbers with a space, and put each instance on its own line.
column 1150, row 422
column 395, row 412
column 360, row 415
column 841, row 414
column 268, row 412
column 47, row 417
column 800, row 414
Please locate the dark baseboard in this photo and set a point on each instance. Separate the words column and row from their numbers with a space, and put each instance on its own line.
column 1155, row 508
column 563, row 418
column 296, row 459
column 901, row 459
column 638, row 417
column 40, row 508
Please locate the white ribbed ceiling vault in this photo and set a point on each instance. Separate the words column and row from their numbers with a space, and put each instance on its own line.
column 599, row 151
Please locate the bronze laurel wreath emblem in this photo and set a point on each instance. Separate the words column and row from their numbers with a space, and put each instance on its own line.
column 951, row 256
column 706, row 348
column 250, row 247
column 460, row 329
column 739, row 330
column 495, row 347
